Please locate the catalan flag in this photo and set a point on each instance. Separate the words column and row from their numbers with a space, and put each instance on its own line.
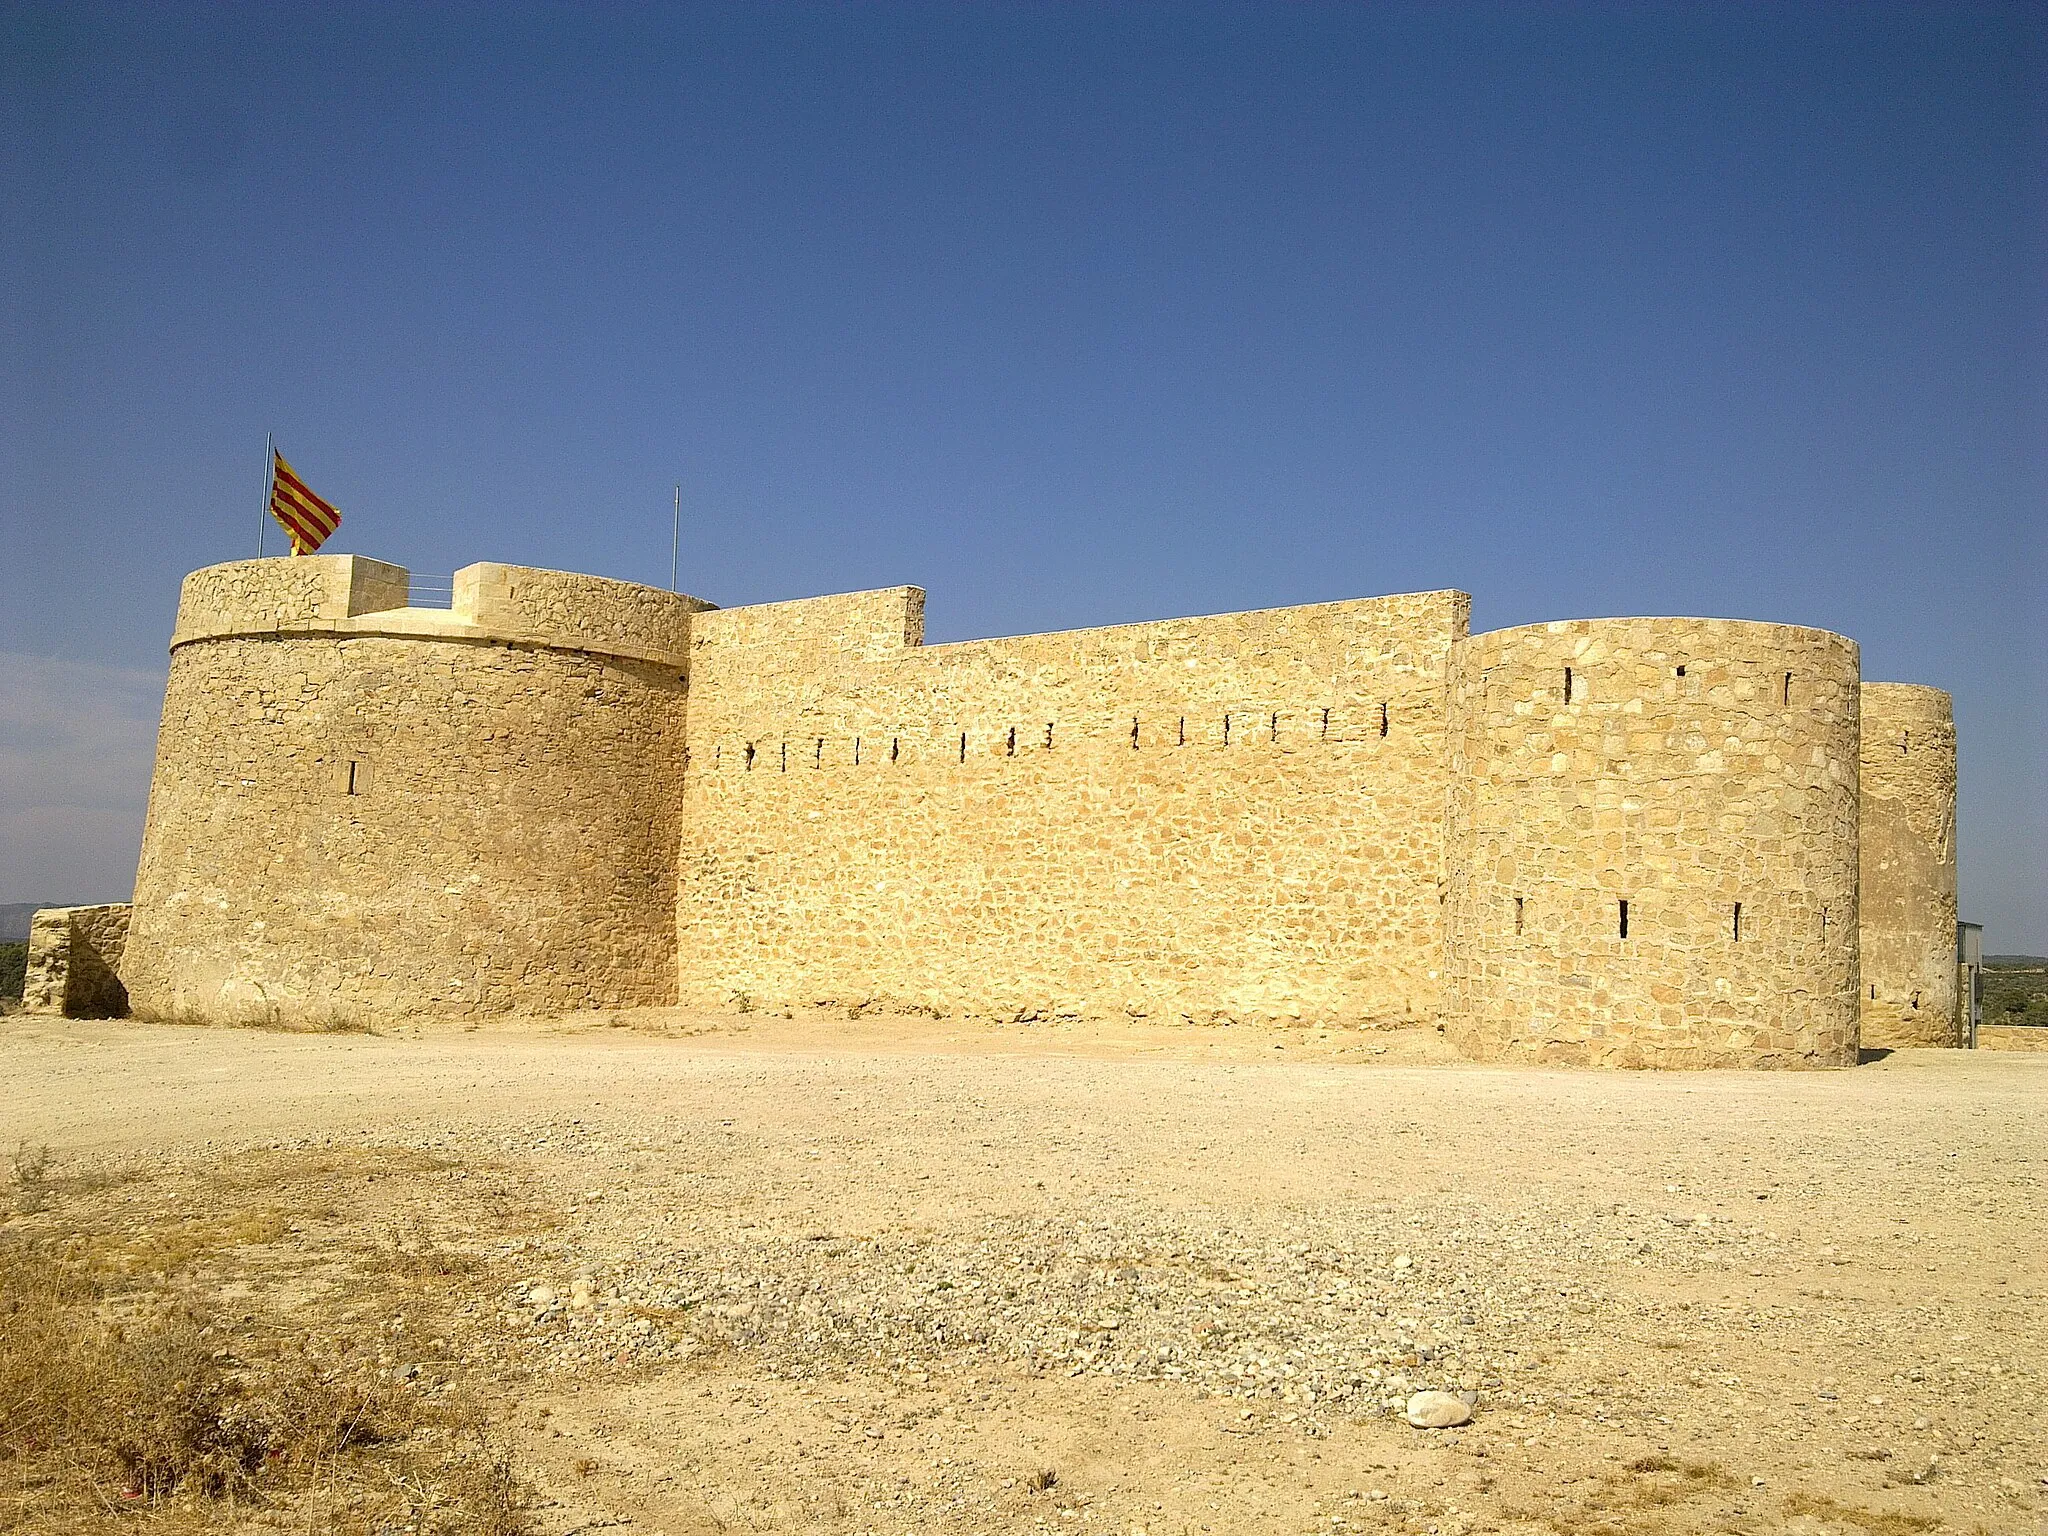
column 309, row 520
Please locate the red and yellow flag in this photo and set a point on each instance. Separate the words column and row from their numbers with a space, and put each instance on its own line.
column 309, row 520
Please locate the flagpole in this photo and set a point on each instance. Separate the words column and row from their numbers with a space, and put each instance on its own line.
column 269, row 461
column 675, row 544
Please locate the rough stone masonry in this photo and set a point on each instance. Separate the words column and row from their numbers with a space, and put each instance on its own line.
column 1619, row 842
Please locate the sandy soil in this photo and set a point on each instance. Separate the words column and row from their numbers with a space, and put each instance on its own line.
column 897, row 1276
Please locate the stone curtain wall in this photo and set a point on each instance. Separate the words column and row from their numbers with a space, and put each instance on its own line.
column 1682, row 777
column 407, row 814
column 74, row 961
column 1236, row 817
column 1908, row 858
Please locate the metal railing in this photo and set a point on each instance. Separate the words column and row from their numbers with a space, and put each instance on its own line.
column 430, row 592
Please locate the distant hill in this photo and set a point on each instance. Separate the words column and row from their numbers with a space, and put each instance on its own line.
column 2016, row 962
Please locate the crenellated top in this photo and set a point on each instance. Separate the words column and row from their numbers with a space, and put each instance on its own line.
column 343, row 595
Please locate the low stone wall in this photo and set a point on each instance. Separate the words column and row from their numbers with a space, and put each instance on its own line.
column 74, row 961
column 2011, row 1037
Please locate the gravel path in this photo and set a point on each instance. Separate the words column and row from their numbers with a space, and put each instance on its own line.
column 885, row 1275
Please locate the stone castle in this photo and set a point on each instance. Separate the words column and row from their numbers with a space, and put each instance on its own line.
column 1638, row 842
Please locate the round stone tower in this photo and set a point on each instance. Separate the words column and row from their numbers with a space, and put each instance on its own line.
column 362, row 808
column 1908, row 906
column 1651, row 846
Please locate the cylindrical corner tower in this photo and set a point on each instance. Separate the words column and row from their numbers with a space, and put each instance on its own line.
column 1652, row 844
column 362, row 808
column 1907, row 909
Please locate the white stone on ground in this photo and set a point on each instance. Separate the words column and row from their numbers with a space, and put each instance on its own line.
column 1437, row 1410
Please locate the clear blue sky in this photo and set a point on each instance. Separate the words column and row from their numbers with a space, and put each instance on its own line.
column 1070, row 315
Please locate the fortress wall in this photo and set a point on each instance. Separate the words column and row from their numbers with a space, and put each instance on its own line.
column 405, row 811
column 971, row 828
column 1907, row 915
column 1682, row 795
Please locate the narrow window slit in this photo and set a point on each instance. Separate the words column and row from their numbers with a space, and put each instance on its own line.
column 1518, row 914
column 1226, row 730
column 895, row 747
column 750, row 757
column 963, row 746
column 1624, row 917
column 1788, row 688
column 785, row 757
column 1567, row 685
column 1383, row 717
column 1010, row 749
column 1274, row 726
column 352, row 776
column 818, row 756
column 856, row 751
column 1326, row 724
column 1048, row 735
column 1738, row 922
column 1182, row 739
column 1134, row 733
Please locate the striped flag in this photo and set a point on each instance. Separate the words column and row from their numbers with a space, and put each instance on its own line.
column 307, row 518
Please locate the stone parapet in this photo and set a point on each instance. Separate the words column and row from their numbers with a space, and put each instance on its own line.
column 303, row 595
column 74, row 961
column 343, row 595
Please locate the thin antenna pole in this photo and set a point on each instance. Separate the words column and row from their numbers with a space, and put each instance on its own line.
column 269, row 468
column 675, row 543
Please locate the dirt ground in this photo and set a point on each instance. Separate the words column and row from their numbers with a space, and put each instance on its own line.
column 762, row 1274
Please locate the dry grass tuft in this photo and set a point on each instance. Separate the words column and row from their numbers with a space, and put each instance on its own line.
column 411, row 1249
column 1877, row 1522
column 1626, row 1498
column 471, row 1490
column 119, row 1395
column 330, row 1021
column 113, row 1399
column 31, row 1172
